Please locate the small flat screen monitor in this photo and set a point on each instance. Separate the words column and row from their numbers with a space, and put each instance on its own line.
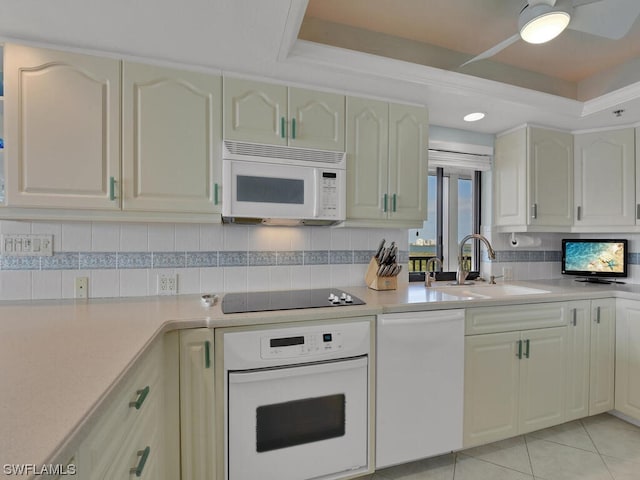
column 595, row 260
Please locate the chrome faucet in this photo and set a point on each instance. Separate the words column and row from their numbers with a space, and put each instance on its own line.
column 461, row 274
column 428, row 279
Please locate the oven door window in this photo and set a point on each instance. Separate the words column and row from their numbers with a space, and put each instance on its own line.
column 300, row 421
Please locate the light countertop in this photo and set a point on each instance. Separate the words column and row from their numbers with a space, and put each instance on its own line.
column 59, row 359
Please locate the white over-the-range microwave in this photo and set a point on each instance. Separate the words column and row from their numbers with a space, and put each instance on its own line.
column 282, row 185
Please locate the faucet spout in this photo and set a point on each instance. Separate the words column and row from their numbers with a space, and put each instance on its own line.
column 428, row 279
column 461, row 274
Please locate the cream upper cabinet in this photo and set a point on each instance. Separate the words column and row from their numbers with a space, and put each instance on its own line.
column 277, row 115
column 62, row 127
column 171, row 140
column 387, row 165
column 603, row 347
column 533, row 179
column 605, row 178
column 627, row 377
column 197, row 405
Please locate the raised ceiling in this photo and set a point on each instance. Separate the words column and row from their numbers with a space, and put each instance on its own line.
column 446, row 33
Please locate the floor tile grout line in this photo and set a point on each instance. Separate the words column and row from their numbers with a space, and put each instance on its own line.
column 568, row 446
column 455, row 462
column 496, row 464
column 526, row 445
column 606, row 466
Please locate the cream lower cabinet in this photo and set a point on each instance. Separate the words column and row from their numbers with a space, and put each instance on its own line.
column 514, row 380
column 171, row 140
column 62, row 129
column 197, row 406
column 386, row 163
column 627, row 397
column 128, row 440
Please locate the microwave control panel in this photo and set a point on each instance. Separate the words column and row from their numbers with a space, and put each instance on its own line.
column 309, row 344
column 328, row 194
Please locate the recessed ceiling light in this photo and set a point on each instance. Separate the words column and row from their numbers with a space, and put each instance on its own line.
column 474, row 117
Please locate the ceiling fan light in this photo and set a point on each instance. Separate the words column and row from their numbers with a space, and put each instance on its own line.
column 545, row 27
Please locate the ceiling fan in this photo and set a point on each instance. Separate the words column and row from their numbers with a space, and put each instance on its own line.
column 543, row 20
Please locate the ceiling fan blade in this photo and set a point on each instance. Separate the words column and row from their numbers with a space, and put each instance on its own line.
column 610, row 19
column 493, row 50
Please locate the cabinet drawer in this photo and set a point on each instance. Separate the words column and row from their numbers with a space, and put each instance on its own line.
column 515, row 317
column 140, row 454
column 132, row 405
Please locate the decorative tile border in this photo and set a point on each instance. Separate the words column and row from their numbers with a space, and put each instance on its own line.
column 142, row 260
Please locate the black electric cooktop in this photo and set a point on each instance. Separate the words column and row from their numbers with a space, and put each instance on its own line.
column 287, row 300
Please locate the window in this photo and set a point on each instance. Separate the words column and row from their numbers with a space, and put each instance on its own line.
column 453, row 213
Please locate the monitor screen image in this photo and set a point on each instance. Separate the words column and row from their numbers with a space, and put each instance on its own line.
column 597, row 258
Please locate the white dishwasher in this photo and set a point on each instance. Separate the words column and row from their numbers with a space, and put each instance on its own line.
column 419, row 385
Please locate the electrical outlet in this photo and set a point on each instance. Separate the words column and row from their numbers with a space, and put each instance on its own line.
column 167, row 284
column 507, row 272
column 82, row 287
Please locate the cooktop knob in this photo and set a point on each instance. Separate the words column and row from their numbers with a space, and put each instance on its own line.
column 348, row 299
column 343, row 296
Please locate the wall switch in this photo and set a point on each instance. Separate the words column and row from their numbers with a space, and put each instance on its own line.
column 82, row 287
column 507, row 273
column 27, row 245
column 167, row 284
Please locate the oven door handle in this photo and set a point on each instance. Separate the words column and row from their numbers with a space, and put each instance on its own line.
column 287, row 371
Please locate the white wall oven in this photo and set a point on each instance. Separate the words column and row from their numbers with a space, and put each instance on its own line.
column 297, row 401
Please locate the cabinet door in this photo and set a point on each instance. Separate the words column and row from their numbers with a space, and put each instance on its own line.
column 605, row 182
column 197, row 405
column 627, row 390
column 550, row 173
column 491, row 377
column 408, row 169
column 510, row 179
column 62, row 129
column 316, row 119
column 170, row 140
column 578, row 348
column 255, row 111
column 603, row 332
column 367, row 158
column 542, row 378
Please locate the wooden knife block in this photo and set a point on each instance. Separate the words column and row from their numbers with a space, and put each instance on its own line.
column 375, row 282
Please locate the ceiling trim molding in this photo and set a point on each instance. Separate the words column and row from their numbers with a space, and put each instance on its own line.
column 292, row 27
column 341, row 59
column 612, row 99
column 459, row 147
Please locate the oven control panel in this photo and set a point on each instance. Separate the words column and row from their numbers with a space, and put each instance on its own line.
column 308, row 344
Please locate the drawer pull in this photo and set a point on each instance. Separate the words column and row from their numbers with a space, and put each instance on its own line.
column 143, row 455
column 519, row 354
column 142, row 395
column 283, row 133
column 112, row 188
column 215, row 194
column 526, row 351
column 574, row 322
column 598, row 315
column 293, row 128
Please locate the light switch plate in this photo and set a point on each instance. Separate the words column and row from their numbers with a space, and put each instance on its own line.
column 27, row 245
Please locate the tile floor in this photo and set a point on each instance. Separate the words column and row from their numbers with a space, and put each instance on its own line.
column 602, row 447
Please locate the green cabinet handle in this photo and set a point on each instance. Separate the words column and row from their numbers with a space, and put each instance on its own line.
column 384, row 203
column 112, row 188
column 519, row 354
column 283, row 134
column 215, row 194
column 144, row 455
column 207, row 355
column 293, row 128
column 526, row 351
column 598, row 315
column 395, row 201
column 142, row 395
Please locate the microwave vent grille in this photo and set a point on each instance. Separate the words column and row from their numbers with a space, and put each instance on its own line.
column 282, row 152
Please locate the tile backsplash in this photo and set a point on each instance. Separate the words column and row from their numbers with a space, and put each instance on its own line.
column 123, row 260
